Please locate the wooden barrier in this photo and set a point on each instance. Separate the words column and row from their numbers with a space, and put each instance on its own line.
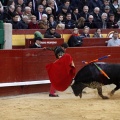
column 94, row 42
column 23, row 71
column 46, row 42
column 19, row 36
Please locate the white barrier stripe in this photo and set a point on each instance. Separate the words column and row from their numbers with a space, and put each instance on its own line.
column 24, row 83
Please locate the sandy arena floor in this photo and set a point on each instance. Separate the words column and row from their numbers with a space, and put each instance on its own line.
column 66, row 107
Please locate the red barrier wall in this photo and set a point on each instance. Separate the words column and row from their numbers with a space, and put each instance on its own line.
column 29, row 64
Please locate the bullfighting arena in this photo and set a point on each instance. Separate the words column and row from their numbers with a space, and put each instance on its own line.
column 66, row 107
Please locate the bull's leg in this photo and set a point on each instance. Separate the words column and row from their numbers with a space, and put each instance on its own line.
column 99, row 89
column 115, row 89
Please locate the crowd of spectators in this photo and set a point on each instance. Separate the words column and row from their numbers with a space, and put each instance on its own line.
column 60, row 14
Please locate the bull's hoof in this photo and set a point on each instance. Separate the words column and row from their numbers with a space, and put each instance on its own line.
column 80, row 95
column 112, row 93
column 105, row 97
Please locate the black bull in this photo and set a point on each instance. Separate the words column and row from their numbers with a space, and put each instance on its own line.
column 90, row 76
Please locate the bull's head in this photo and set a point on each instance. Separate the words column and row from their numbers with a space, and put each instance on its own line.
column 77, row 89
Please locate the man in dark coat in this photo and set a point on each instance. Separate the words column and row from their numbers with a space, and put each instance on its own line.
column 51, row 33
column 37, row 43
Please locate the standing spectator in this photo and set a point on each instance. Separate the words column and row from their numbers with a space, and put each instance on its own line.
column 85, row 12
column 115, row 41
column 52, row 22
column 111, row 22
column 39, row 12
column 33, row 24
column 90, row 22
column 85, row 33
column 51, row 33
column 69, row 23
column 75, row 14
column 80, row 23
column 98, row 34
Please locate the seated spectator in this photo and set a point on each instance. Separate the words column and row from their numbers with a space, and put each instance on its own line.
column 39, row 12
column 85, row 33
column 60, row 26
column 29, row 4
column 115, row 41
column 117, row 14
column 85, row 12
column 44, row 23
column 15, row 22
column 9, row 14
column 98, row 34
column 69, row 23
column 24, row 22
column 80, row 23
column 21, row 3
column 60, row 19
column 103, row 22
column 51, row 4
column 48, row 11
column 96, row 14
column 37, row 43
column 105, row 3
column 65, row 8
column 1, row 11
column 28, row 13
column 90, row 22
column 114, row 6
column 44, row 3
column 33, row 24
column 51, row 33
column 75, row 40
column 75, row 14
column 52, row 22
column 94, row 3
column 63, row 11
column 111, row 22
column 108, row 11
column 18, row 11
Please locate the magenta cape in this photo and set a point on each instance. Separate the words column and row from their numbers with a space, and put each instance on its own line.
column 61, row 72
